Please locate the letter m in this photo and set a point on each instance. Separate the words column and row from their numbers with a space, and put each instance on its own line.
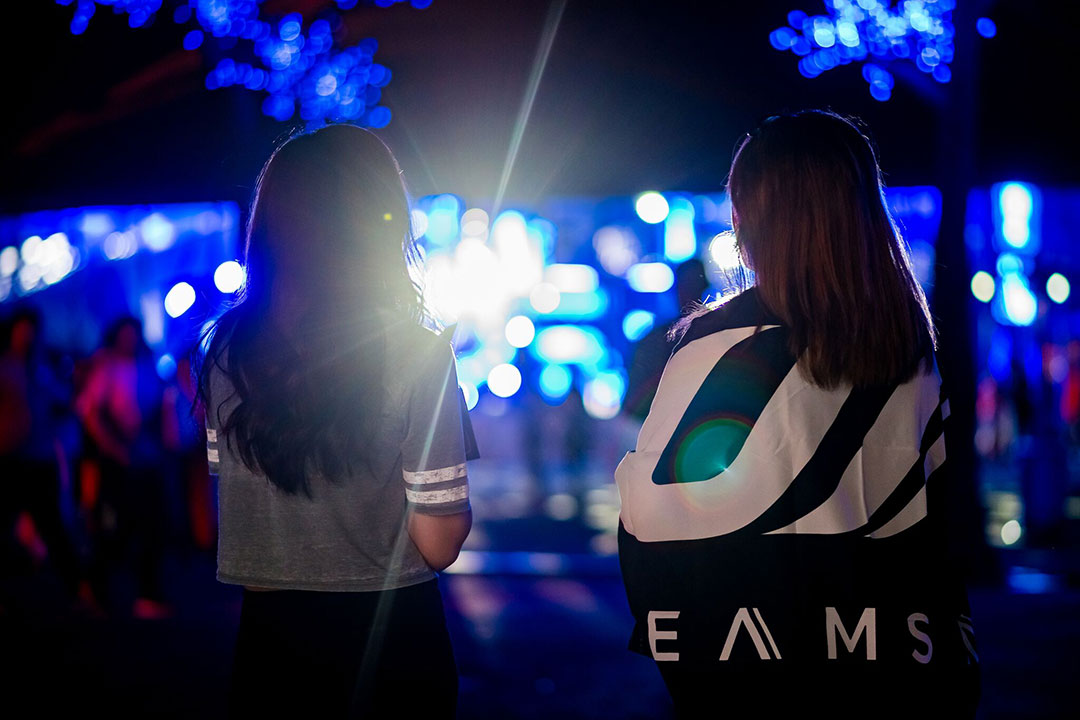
column 867, row 624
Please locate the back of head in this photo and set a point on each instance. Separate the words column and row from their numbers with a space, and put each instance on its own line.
column 330, row 221
column 327, row 260
column 810, row 220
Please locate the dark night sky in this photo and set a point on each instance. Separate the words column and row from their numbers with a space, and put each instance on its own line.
column 636, row 95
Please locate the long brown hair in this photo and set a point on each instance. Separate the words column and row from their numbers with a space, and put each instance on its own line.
column 810, row 220
column 331, row 216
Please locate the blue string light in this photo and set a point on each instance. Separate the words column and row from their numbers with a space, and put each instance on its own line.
column 986, row 27
column 872, row 33
column 301, row 71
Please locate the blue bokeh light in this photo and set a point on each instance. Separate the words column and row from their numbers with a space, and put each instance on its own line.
column 986, row 27
column 555, row 381
column 869, row 30
column 305, row 74
column 193, row 40
column 637, row 323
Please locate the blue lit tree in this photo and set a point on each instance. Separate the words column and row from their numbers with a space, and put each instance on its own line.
column 301, row 70
column 874, row 35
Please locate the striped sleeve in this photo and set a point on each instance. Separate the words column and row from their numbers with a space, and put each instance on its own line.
column 213, row 459
column 433, row 455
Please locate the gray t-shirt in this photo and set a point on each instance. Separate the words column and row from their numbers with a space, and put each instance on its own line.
column 351, row 535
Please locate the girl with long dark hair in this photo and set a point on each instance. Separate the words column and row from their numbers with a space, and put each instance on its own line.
column 334, row 424
column 782, row 531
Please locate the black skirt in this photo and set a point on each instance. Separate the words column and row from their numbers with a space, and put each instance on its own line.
column 344, row 654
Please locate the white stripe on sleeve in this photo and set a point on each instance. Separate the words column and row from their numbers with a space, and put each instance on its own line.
column 437, row 497
column 424, row 477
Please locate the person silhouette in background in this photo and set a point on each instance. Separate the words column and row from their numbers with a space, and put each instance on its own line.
column 652, row 352
column 31, row 400
column 335, row 425
column 120, row 406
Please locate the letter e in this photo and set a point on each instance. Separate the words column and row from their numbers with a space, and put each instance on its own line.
column 655, row 634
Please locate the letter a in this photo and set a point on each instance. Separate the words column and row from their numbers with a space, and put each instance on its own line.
column 742, row 620
column 867, row 624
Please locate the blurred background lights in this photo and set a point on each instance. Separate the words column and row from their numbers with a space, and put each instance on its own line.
column 651, row 207
column 650, row 277
column 303, row 73
column 166, row 367
column 616, row 248
column 179, row 299
column 520, row 331
column 120, row 245
column 442, row 220
column 555, row 381
column 504, row 380
column 1058, row 288
column 603, row 395
column 864, row 31
column 1011, row 532
column 157, row 232
column 30, row 248
column 544, row 298
column 229, row 276
column 9, row 261
column 1019, row 304
column 986, row 27
column 569, row 278
column 982, row 286
column 474, row 223
column 680, row 240
column 637, row 323
column 96, row 224
column 1009, row 263
column 569, row 344
column 1016, row 206
column 521, row 259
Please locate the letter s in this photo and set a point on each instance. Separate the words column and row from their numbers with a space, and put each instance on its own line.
column 922, row 658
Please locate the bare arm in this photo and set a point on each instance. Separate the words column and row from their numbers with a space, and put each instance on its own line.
column 439, row 537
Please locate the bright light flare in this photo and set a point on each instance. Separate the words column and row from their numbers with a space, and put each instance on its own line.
column 616, row 248
column 520, row 331
column 1058, row 288
column 229, row 276
column 637, row 323
column 1017, row 206
column 680, row 240
column 652, row 207
column 572, row 278
column 555, row 382
column 504, row 380
column 650, row 277
column 544, row 298
column 1011, row 532
column 983, row 286
column 179, row 299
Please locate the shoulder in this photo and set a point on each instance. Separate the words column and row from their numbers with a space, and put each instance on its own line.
column 421, row 352
column 741, row 311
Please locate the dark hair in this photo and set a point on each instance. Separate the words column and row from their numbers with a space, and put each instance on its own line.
column 330, row 220
column 810, row 220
